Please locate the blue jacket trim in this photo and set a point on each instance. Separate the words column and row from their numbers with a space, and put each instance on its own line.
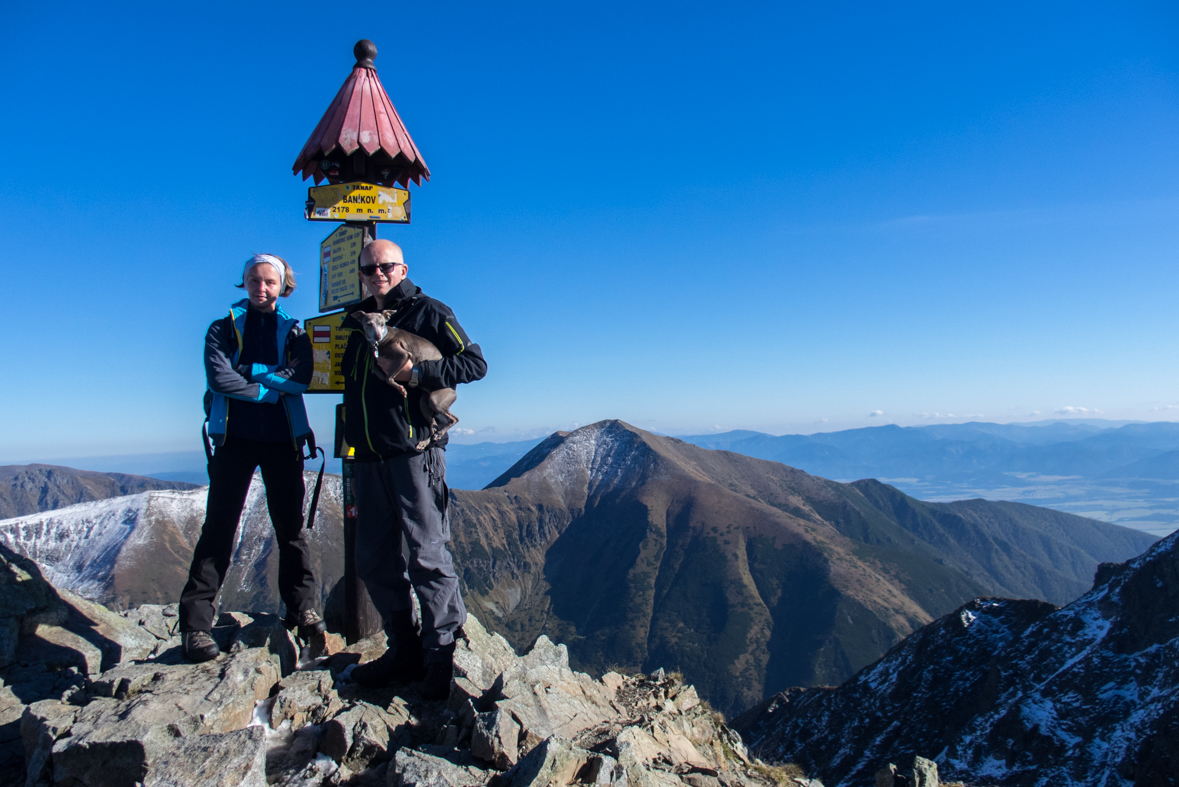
column 271, row 387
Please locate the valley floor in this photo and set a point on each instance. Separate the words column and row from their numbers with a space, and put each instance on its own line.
column 1142, row 504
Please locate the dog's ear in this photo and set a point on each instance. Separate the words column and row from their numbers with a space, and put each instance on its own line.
column 388, row 313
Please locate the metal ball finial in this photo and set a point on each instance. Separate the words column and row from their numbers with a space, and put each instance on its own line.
column 366, row 52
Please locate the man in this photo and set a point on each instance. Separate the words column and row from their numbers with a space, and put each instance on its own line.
column 258, row 363
column 400, row 492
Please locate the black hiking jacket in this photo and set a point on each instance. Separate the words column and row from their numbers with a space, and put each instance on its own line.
column 378, row 421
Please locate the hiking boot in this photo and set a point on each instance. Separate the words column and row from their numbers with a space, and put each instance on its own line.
column 199, row 646
column 439, row 672
column 400, row 663
column 308, row 622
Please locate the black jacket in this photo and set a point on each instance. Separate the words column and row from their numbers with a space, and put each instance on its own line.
column 238, row 369
column 378, row 421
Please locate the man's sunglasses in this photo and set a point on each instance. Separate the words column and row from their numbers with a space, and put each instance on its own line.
column 386, row 268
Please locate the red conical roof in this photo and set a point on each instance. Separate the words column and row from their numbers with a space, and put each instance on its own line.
column 361, row 117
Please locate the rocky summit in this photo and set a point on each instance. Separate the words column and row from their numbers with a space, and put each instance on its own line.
column 1010, row 693
column 95, row 698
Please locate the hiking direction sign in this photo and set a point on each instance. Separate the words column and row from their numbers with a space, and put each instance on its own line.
column 339, row 268
column 328, row 343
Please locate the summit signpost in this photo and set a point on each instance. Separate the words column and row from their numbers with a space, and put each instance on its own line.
column 339, row 268
column 365, row 153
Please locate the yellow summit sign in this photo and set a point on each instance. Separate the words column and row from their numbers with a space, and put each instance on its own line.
column 358, row 202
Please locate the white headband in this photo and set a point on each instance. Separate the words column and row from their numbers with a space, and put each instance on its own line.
column 270, row 259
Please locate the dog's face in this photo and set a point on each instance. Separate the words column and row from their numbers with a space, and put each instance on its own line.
column 373, row 325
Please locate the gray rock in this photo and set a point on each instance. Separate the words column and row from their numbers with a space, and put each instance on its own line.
column 364, row 735
column 699, row 780
column 232, row 758
column 305, row 698
column 292, row 758
column 482, row 658
column 26, row 600
column 600, row 770
column 116, row 741
column 152, row 618
column 886, row 776
column 550, row 699
column 924, row 773
column 417, row 769
column 495, row 739
column 41, row 724
column 555, row 761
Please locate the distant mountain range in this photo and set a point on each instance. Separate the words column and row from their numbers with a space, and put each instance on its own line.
column 27, row 489
column 1125, row 473
column 973, row 451
column 643, row 551
column 750, row 576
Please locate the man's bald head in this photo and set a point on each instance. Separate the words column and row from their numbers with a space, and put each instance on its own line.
column 381, row 251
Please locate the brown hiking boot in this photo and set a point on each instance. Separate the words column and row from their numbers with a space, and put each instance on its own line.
column 308, row 622
column 199, row 646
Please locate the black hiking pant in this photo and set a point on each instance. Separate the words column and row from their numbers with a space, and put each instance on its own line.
column 405, row 496
column 230, row 474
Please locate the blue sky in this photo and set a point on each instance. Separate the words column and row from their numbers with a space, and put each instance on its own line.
column 785, row 217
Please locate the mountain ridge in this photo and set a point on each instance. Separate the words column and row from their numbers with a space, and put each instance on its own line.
column 620, row 543
column 29, row 489
column 1009, row 693
column 646, row 551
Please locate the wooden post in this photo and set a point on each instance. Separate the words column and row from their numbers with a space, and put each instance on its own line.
column 361, row 618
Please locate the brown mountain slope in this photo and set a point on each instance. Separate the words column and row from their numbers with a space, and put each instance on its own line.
column 748, row 575
column 28, row 489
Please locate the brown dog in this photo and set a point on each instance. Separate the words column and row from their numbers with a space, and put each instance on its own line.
column 392, row 347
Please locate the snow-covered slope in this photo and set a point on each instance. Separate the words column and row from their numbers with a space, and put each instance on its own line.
column 131, row 550
column 1009, row 692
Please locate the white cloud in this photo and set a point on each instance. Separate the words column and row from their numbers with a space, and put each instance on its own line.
column 1070, row 410
column 460, row 430
column 1034, row 412
column 875, row 413
column 1167, row 407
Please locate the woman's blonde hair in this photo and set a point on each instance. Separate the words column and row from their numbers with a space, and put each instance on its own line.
column 288, row 284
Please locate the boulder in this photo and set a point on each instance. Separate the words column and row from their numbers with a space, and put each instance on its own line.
column 924, row 773
column 237, row 758
column 305, row 698
column 365, row 734
column 546, row 698
column 495, row 738
column 26, row 600
column 482, row 658
column 116, row 740
column 554, row 763
column 42, row 723
column 417, row 769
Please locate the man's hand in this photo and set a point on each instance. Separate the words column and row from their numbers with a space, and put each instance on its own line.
column 403, row 375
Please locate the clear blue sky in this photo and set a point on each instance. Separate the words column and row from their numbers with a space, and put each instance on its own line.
column 783, row 217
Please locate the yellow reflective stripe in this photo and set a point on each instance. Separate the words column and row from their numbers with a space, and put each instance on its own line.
column 456, row 337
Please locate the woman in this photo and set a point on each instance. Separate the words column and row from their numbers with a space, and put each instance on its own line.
column 258, row 362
